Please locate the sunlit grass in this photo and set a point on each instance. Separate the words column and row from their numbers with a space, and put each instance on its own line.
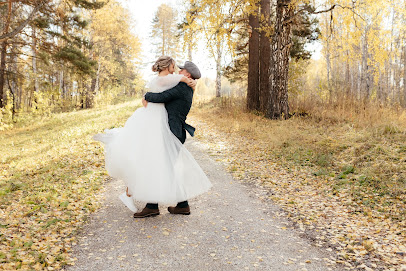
column 339, row 177
column 50, row 173
column 370, row 156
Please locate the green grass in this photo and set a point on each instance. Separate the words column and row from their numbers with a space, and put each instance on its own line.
column 50, row 173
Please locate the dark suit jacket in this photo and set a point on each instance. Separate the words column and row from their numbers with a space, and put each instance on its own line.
column 178, row 101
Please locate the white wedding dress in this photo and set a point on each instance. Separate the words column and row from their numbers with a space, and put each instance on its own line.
column 149, row 158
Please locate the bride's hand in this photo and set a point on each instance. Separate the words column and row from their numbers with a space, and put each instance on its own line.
column 144, row 102
column 192, row 83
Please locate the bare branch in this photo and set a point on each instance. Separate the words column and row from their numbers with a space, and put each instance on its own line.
column 326, row 10
column 309, row 9
column 22, row 25
column 8, row 16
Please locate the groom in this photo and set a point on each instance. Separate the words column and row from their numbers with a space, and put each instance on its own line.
column 178, row 101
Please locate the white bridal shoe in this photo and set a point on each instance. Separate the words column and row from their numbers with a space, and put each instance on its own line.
column 128, row 201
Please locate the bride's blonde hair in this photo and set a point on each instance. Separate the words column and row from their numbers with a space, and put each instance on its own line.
column 162, row 63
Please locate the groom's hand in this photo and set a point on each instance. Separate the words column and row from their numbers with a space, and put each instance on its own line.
column 144, row 102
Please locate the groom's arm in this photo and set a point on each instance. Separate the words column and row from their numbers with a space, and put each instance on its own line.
column 165, row 96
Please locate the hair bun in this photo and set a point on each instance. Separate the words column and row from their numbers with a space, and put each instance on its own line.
column 155, row 67
column 162, row 63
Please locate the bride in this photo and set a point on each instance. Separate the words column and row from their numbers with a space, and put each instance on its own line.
column 148, row 157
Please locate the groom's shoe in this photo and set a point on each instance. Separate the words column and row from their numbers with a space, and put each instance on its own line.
column 179, row 211
column 146, row 212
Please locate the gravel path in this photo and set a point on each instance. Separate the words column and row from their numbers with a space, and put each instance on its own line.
column 230, row 228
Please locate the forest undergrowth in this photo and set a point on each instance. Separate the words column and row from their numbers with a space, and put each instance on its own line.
column 339, row 172
column 51, row 173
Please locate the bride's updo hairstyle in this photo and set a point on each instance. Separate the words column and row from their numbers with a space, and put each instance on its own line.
column 162, row 63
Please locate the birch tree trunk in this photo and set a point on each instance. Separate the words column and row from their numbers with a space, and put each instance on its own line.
column 404, row 75
column 390, row 61
column 387, row 80
column 328, row 62
column 218, row 69
column 397, row 75
column 365, row 84
column 347, row 78
column 253, row 63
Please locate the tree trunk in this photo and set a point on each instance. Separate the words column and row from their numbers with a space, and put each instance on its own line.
column 13, row 96
column 390, row 67
column 90, row 93
column 386, row 88
column 2, row 73
column 404, row 76
column 253, row 63
column 397, row 74
column 365, row 73
column 34, row 64
column 82, row 95
column 61, row 84
column 347, row 78
column 96, row 90
column 218, row 69
column 3, row 55
column 265, row 55
column 13, row 85
column 281, row 42
column 34, row 60
column 328, row 61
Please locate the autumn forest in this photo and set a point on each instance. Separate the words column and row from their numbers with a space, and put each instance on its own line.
column 63, row 55
column 305, row 99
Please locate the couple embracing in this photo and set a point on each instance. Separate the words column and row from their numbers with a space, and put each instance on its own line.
column 148, row 152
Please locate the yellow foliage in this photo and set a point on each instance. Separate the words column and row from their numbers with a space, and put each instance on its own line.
column 115, row 47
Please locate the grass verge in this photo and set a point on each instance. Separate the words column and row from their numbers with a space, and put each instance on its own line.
column 50, row 174
column 344, row 179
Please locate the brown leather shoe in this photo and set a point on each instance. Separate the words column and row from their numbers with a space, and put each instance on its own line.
column 146, row 212
column 179, row 211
